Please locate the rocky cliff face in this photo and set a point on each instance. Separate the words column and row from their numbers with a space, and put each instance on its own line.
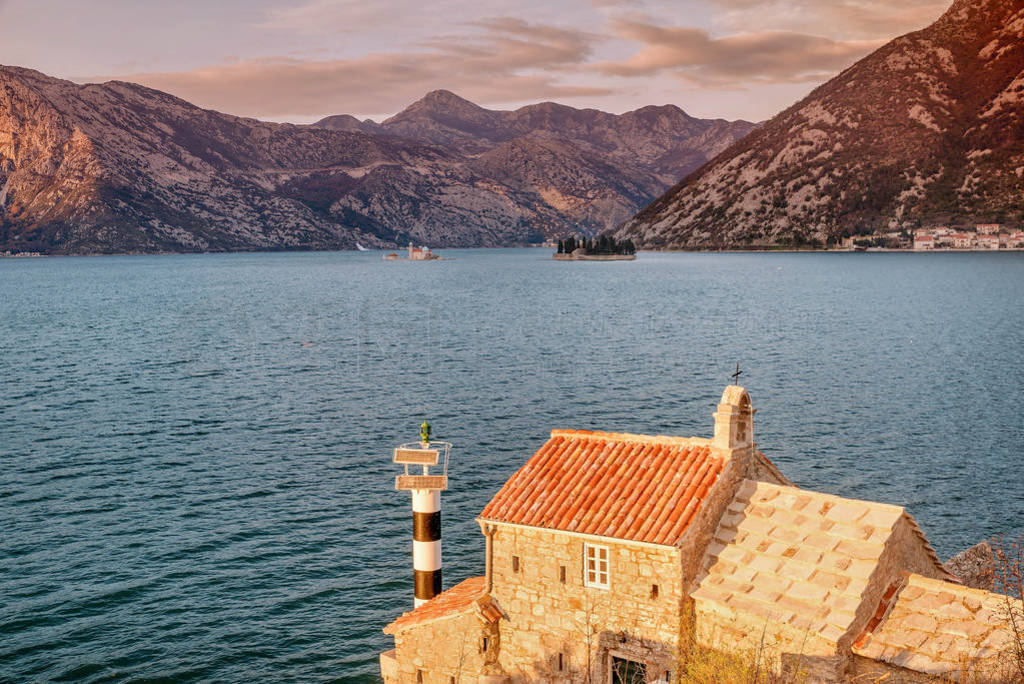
column 566, row 169
column 927, row 130
column 664, row 142
column 122, row 168
column 117, row 167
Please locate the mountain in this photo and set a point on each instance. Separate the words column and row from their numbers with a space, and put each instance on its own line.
column 117, row 167
column 591, row 168
column 121, row 168
column 662, row 141
column 927, row 130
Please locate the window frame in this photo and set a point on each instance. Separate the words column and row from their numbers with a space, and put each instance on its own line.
column 594, row 552
column 630, row 667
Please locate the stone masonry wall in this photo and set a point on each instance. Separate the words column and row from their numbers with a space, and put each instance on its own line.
column 905, row 551
column 442, row 651
column 557, row 631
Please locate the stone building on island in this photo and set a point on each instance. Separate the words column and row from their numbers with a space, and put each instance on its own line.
column 608, row 555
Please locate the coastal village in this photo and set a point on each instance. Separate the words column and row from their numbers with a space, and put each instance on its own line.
column 615, row 558
column 982, row 237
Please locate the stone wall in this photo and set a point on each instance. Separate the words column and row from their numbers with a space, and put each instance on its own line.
column 440, row 652
column 905, row 551
column 558, row 631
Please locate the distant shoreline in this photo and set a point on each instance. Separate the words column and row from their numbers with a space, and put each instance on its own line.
column 595, row 257
column 794, row 250
column 605, row 257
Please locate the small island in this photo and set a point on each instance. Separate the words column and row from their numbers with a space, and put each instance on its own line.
column 415, row 254
column 601, row 248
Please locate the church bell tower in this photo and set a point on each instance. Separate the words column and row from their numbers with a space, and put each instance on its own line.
column 734, row 420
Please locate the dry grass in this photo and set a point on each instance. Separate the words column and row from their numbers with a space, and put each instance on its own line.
column 719, row 661
column 1010, row 582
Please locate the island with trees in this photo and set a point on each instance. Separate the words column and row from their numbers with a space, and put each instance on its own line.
column 600, row 248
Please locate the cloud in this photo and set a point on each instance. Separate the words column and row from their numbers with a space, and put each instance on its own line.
column 734, row 61
column 846, row 19
column 324, row 17
column 509, row 61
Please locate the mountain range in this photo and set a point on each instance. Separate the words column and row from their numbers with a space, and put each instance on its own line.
column 928, row 130
column 118, row 167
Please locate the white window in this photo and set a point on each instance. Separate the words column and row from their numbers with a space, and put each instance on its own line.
column 595, row 566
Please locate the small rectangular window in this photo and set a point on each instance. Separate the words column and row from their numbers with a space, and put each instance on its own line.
column 419, row 676
column 483, row 645
column 515, row 563
column 561, row 662
column 654, row 591
column 595, row 566
column 561, row 574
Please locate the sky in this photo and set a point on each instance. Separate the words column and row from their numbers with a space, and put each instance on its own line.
column 300, row 60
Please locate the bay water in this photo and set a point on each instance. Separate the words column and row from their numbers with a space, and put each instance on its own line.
column 195, row 476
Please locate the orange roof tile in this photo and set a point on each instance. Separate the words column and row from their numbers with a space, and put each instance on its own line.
column 633, row 487
column 940, row 628
column 460, row 598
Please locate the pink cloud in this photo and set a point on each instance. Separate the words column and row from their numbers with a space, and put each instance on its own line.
column 732, row 61
column 511, row 61
column 836, row 18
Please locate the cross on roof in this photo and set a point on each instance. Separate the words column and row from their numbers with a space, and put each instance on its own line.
column 736, row 375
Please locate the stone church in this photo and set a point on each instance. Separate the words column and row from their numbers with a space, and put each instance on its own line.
column 608, row 553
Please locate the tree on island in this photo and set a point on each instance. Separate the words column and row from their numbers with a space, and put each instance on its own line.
column 601, row 245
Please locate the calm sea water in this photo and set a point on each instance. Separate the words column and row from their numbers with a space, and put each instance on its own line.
column 195, row 449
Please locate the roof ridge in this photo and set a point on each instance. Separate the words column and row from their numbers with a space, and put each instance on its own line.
column 946, row 585
column 828, row 495
column 673, row 440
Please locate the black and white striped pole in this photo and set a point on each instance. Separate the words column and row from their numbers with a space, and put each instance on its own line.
column 426, row 491
column 426, row 543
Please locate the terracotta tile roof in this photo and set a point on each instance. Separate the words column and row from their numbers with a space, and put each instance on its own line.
column 796, row 559
column 633, row 487
column 466, row 595
column 939, row 628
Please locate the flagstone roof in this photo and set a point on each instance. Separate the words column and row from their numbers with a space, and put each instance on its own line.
column 466, row 595
column 631, row 487
column 938, row 628
column 797, row 559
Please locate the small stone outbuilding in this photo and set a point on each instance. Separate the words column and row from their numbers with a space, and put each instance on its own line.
column 609, row 556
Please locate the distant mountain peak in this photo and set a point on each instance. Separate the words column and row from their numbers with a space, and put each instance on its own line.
column 441, row 102
column 445, row 97
column 927, row 130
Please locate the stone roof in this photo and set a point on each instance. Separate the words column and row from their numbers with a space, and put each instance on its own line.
column 939, row 628
column 631, row 487
column 795, row 559
column 466, row 595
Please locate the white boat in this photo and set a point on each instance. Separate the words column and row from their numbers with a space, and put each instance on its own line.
column 361, row 248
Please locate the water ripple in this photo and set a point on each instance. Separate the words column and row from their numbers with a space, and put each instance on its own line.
column 195, row 449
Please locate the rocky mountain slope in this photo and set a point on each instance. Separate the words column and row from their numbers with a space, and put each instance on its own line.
column 927, row 130
column 118, row 167
column 664, row 141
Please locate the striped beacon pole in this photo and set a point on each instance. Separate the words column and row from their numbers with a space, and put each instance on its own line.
column 426, row 488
